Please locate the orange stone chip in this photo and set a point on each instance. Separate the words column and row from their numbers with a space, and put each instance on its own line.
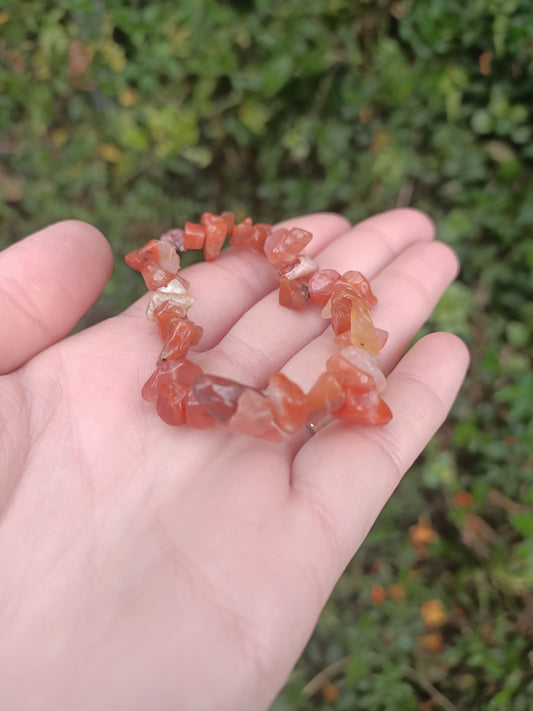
column 155, row 276
column 216, row 229
column 170, row 403
column 325, row 396
column 195, row 415
column 230, row 220
column 254, row 417
column 241, row 233
column 363, row 408
column 165, row 313
column 292, row 293
column 181, row 332
column 362, row 331
column 349, row 375
column 288, row 403
column 359, row 282
column 181, row 371
column 155, row 252
column 321, row 285
column 251, row 236
column 218, row 396
column 194, row 236
column 284, row 246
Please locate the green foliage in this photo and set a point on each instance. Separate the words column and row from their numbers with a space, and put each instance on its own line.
column 136, row 116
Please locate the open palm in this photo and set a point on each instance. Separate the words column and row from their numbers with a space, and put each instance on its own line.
column 151, row 567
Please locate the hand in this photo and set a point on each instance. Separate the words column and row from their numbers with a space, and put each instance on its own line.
column 151, row 567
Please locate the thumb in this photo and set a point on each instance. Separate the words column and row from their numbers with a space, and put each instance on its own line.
column 47, row 282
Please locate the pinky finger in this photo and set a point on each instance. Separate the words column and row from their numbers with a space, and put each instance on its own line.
column 344, row 475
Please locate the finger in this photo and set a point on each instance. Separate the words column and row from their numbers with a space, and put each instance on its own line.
column 268, row 335
column 47, row 282
column 344, row 475
column 227, row 288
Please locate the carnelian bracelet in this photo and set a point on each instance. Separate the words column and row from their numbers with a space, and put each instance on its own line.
column 349, row 390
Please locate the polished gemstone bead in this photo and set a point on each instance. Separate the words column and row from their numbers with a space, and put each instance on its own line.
column 175, row 291
column 362, row 333
column 209, row 218
column 169, row 386
column 349, row 375
column 292, row 294
column 288, row 402
column 339, row 306
column 180, row 371
column 230, row 220
column 258, row 236
column 175, row 238
column 349, row 310
column 303, row 269
column 343, row 340
column 165, row 313
column 195, row 415
column 321, row 285
column 357, row 280
column 363, row 408
column 154, row 252
column 325, row 396
column 180, row 335
column 216, row 230
column 286, row 245
column 368, row 363
column 254, row 417
column 274, row 239
column 194, row 235
column 341, row 311
column 250, row 236
column 217, row 395
column 155, row 276
column 170, row 404
column 241, row 233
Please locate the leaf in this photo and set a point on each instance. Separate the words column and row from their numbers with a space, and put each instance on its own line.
column 254, row 116
column 109, row 152
column 128, row 97
column 80, row 58
column 433, row 613
column 523, row 523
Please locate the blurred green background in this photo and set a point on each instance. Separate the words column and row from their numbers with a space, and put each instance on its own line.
column 138, row 115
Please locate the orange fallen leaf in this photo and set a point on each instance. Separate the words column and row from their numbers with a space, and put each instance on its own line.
column 433, row 613
column 377, row 595
column 422, row 534
column 330, row 692
column 462, row 499
column 485, row 60
column 80, row 58
column 432, row 641
column 109, row 152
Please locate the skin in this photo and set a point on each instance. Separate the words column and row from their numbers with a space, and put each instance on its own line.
column 145, row 566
